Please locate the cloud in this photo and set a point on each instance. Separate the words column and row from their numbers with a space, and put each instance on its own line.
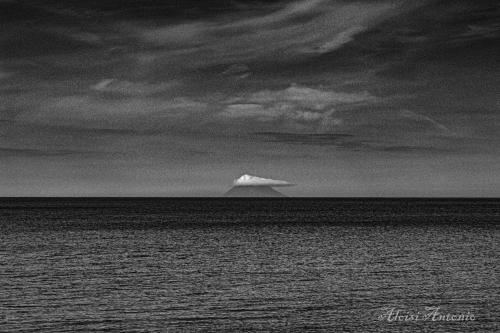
column 259, row 113
column 255, row 111
column 180, row 33
column 412, row 149
column 337, row 139
column 193, row 33
column 24, row 152
column 350, row 142
column 102, row 112
column 299, row 29
column 310, row 98
column 421, row 118
column 340, row 39
column 91, row 38
column 236, row 69
column 296, row 106
column 476, row 32
column 131, row 88
column 249, row 180
column 239, row 71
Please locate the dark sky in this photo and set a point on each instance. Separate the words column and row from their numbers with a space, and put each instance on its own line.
column 176, row 97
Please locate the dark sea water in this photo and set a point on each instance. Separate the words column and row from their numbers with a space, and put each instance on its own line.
column 236, row 265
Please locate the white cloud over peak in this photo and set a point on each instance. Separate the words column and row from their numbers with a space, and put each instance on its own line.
column 249, row 180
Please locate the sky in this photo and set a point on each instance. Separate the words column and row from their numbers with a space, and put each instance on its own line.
column 180, row 97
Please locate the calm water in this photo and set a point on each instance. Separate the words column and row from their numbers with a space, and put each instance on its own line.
column 143, row 265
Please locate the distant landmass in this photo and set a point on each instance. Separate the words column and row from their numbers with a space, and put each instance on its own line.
column 253, row 191
column 248, row 186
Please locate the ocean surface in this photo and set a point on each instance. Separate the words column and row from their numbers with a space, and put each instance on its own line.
column 240, row 265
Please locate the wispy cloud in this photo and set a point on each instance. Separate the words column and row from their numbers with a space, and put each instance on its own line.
column 306, row 97
column 351, row 142
column 337, row 139
column 92, row 111
column 296, row 106
column 325, row 26
column 422, row 118
column 125, row 87
column 26, row 152
column 482, row 31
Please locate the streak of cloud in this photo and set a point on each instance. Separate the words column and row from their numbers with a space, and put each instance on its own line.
column 327, row 27
column 296, row 107
column 351, row 142
column 132, row 88
column 27, row 152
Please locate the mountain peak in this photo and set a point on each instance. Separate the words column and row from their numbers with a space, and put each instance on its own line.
column 261, row 191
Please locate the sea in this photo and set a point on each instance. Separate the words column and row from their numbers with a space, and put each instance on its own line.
column 249, row 265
